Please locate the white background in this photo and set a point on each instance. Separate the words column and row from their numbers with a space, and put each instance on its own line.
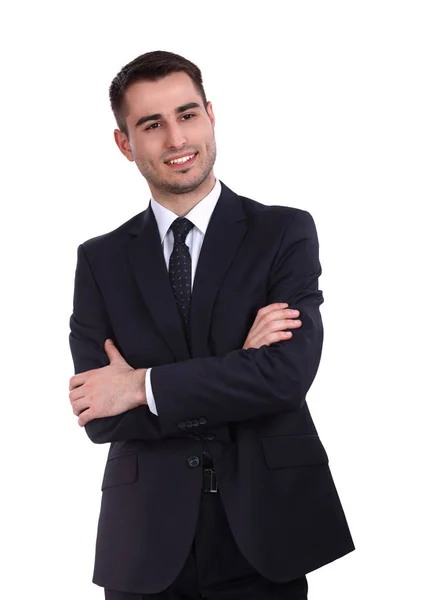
column 319, row 105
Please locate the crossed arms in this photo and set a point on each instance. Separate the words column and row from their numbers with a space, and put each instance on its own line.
column 269, row 374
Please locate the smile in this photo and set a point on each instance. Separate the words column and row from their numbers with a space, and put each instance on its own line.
column 183, row 160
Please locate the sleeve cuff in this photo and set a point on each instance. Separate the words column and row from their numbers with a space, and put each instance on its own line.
column 149, row 394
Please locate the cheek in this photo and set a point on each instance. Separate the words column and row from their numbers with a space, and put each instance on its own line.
column 138, row 144
column 142, row 153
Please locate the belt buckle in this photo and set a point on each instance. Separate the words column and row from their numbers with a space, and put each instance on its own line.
column 210, row 481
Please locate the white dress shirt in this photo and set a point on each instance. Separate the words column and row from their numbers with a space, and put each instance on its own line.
column 200, row 216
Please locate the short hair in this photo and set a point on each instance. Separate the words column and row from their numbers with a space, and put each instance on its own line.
column 150, row 66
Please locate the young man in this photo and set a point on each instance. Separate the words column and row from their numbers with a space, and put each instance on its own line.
column 217, row 484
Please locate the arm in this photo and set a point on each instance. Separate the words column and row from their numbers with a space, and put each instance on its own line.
column 90, row 327
column 245, row 384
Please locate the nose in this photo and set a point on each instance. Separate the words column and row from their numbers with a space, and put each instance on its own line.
column 175, row 137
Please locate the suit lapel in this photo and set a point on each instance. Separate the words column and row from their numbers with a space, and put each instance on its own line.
column 225, row 232
column 150, row 271
column 223, row 237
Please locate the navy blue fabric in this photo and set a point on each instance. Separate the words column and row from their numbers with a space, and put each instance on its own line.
column 215, row 568
column 250, row 405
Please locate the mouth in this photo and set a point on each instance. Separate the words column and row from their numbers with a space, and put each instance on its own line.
column 182, row 162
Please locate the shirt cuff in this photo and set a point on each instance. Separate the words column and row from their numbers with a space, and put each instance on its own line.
column 149, row 394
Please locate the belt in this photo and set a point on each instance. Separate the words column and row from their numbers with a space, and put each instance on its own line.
column 209, row 479
column 209, row 485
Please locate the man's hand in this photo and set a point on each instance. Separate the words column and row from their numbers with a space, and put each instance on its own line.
column 107, row 391
column 270, row 325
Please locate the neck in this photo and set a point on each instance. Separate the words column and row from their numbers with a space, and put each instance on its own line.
column 182, row 204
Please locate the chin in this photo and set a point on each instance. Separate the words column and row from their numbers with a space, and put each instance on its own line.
column 185, row 184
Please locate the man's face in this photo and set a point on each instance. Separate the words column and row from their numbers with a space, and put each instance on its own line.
column 167, row 120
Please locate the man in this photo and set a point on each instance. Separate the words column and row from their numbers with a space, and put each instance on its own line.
column 216, row 484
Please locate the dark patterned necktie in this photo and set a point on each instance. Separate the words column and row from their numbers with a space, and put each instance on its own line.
column 180, row 270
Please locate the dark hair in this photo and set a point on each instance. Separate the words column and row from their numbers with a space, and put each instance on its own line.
column 149, row 67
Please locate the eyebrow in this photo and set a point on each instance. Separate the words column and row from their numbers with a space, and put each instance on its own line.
column 157, row 116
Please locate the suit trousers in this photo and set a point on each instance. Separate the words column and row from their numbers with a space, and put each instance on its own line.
column 215, row 569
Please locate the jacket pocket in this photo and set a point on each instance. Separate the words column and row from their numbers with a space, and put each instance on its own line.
column 293, row 451
column 119, row 470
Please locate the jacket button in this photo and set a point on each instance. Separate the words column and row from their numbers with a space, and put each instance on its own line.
column 188, row 423
column 202, row 420
column 209, row 437
column 195, row 422
column 181, row 425
column 193, row 461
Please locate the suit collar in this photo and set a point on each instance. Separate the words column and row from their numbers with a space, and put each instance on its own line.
column 225, row 232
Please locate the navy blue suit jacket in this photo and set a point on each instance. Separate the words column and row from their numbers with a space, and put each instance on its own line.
column 271, row 465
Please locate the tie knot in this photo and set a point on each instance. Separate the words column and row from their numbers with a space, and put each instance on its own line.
column 180, row 228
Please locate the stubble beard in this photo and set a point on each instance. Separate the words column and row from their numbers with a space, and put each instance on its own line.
column 178, row 187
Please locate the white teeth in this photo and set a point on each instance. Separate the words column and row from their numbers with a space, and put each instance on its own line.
column 178, row 161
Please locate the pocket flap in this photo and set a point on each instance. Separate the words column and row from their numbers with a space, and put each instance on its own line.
column 293, row 451
column 119, row 470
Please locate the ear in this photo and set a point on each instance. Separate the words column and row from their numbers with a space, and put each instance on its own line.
column 123, row 144
column 210, row 113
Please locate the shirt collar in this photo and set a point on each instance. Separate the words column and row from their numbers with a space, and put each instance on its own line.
column 199, row 215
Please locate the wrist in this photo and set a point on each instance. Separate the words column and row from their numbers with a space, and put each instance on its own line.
column 140, row 388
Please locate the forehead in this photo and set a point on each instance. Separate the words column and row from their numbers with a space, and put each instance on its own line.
column 162, row 96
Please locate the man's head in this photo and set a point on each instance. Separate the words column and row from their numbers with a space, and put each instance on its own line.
column 162, row 114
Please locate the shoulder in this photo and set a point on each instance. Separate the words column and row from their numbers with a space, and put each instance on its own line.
column 256, row 209
column 112, row 240
column 276, row 216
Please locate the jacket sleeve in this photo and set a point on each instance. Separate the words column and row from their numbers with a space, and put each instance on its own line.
column 245, row 384
column 90, row 327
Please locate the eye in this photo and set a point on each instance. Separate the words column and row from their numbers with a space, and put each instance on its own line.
column 185, row 117
column 151, row 126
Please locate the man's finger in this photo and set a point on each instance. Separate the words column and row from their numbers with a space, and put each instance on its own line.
column 78, row 380
column 112, row 352
column 80, row 405
column 271, row 307
column 85, row 417
column 76, row 394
